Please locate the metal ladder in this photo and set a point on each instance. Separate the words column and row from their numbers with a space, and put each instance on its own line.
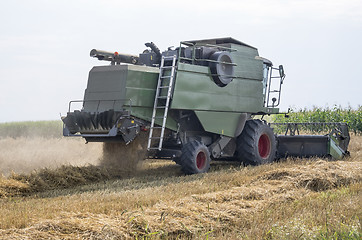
column 161, row 107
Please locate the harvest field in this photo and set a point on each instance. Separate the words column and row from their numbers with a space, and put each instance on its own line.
column 57, row 188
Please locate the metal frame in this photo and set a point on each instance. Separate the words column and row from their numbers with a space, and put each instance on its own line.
column 279, row 91
column 112, row 132
column 164, row 107
column 193, row 59
column 293, row 128
column 334, row 143
column 99, row 102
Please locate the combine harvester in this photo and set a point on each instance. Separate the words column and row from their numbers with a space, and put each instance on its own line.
column 200, row 101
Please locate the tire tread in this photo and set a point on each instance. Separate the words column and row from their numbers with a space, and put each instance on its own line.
column 188, row 157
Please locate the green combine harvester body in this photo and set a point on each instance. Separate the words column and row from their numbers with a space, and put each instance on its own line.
column 197, row 102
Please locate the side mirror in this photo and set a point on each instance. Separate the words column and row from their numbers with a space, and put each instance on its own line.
column 281, row 71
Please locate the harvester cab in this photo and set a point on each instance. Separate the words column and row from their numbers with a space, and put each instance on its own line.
column 198, row 102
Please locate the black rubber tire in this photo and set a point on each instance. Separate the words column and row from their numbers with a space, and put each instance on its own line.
column 256, row 144
column 195, row 158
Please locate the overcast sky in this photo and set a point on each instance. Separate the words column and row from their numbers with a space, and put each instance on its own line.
column 45, row 45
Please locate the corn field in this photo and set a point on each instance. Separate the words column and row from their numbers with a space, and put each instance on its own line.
column 348, row 115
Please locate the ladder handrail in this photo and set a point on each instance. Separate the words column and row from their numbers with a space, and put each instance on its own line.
column 269, row 91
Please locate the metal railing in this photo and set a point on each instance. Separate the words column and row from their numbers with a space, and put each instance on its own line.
column 193, row 58
column 99, row 103
column 313, row 127
column 271, row 93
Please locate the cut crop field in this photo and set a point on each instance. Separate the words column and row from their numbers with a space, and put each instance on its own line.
column 80, row 196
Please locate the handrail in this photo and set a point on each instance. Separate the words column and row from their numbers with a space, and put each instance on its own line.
column 207, row 45
column 207, row 60
column 294, row 127
column 275, row 101
column 193, row 59
column 221, row 47
column 99, row 102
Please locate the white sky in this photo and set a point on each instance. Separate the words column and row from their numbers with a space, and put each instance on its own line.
column 44, row 45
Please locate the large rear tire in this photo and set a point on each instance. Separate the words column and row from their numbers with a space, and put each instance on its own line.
column 256, row 144
column 195, row 158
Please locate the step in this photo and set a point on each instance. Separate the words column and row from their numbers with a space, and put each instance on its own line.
column 167, row 67
column 154, row 148
column 155, row 137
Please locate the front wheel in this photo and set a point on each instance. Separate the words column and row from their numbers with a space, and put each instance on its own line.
column 256, row 144
column 195, row 158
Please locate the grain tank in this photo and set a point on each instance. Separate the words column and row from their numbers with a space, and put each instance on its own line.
column 197, row 102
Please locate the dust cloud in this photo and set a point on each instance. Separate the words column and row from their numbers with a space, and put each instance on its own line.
column 125, row 157
column 23, row 155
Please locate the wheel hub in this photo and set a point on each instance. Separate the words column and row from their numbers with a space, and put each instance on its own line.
column 264, row 146
column 201, row 160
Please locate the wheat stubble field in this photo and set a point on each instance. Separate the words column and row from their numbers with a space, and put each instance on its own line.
column 56, row 188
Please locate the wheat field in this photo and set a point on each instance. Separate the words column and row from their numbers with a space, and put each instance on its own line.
column 77, row 196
